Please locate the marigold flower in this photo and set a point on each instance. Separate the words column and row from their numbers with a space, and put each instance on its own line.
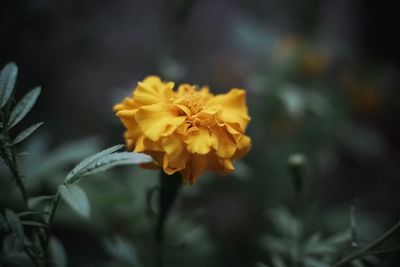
column 188, row 130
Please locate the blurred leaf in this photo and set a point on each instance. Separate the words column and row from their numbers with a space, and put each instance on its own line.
column 76, row 198
column 120, row 158
column 275, row 244
column 374, row 260
column 79, row 168
column 33, row 223
column 58, row 256
column 312, row 262
column 35, row 201
column 260, row 264
column 15, row 224
column 277, row 261
column 24, row 106
column 121, row 249
column 25, row 133
column 55, row 161
column 321, row 249
column 357, row 263
column 11, row 244
column 340, row 238
column 285, row 223
column 8, row 77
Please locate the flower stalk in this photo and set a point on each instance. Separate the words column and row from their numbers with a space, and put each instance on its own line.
column 9, row 156
column 169, row 189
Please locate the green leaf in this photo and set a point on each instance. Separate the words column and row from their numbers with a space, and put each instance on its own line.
column 78, row 168
column 25, row 133
column 357, row 263
column 29, row 213
column 57, row 253
column 15, row 224
column 35, row 201
column 340, row 238
column 312, row 262
column 24, row 106
column 116, row 159
column 33, row 223
column 76, row 198
column 277, row 261
column 8, row 77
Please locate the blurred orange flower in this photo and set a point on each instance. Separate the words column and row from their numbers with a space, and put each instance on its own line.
column 189, row 130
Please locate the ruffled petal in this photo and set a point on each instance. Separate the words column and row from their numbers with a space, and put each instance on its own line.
column 158, row 120
column 176, row 156
column 152, row 91
column 127, row 103
column 225, row 146
column 234, row 107
column 243, row 145
column 199, row 140
column 198, row 164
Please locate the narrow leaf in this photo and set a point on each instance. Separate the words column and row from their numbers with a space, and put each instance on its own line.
column 90, row 159
column 25, row 133
column 24, row 106
column 116, row 159
column 8, row 77
column 57, row 253
column 15, row 224
column 35, row 201
column 29, row 213
column 76, row 198
column 33, row 223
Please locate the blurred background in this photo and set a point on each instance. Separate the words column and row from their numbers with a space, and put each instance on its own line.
column 321, row 78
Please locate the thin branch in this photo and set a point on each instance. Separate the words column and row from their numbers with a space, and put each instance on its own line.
column 370, row 247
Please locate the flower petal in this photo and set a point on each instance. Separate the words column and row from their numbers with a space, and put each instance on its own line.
column 225, row 146
column 243, row 145
column 234, row 107
column 127, row 103
column 152, row 91
column 176, row 156
column 199, row 140
column 158, row 120
column 198, row 164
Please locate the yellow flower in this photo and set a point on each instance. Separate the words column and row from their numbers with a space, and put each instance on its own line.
column 189, row 130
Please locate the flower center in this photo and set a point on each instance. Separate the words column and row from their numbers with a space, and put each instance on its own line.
column 193, row 101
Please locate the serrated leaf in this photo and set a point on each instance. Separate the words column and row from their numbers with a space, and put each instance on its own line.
column 57, row 253
column 24, row 106
column 76, row 198
column 25, row 133
column 74, row 172
column 122, row 158
column 8, row 77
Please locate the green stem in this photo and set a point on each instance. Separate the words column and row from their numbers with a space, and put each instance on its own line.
column 53, row 210
column 369, row 248
column 169, row 188
column 10, row 159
